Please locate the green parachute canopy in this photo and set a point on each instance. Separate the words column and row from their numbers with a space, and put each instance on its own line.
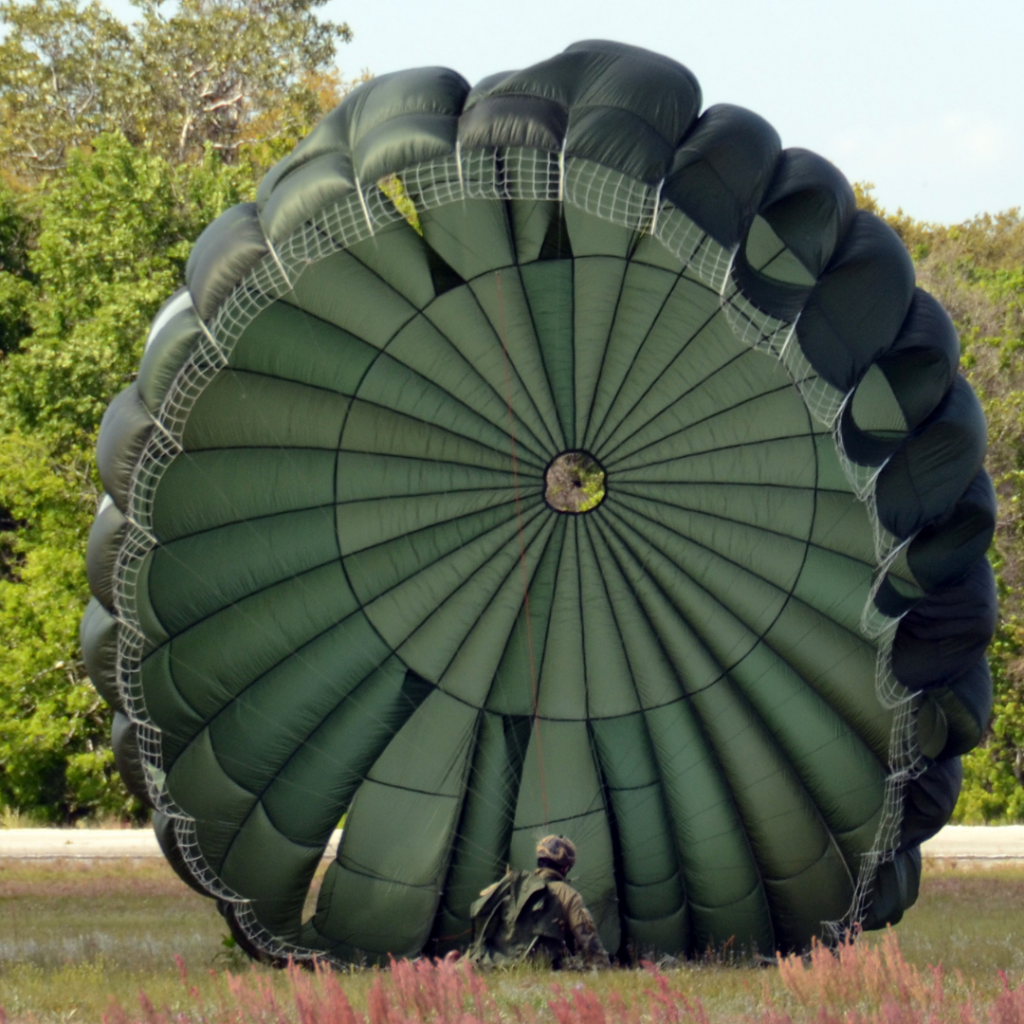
column 546, row 456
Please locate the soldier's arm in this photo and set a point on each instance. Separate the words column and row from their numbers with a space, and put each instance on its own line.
column 584, row 932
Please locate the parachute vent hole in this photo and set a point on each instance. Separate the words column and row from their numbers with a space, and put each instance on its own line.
column 574, row 482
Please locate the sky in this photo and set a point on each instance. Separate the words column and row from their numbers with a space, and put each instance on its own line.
column 923, row 98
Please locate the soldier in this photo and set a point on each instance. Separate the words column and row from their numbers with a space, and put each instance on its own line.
column 537, row 915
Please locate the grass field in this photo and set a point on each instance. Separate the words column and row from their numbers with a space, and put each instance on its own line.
column 80, row 940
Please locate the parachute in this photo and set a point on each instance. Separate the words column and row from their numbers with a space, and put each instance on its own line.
column 546, row 456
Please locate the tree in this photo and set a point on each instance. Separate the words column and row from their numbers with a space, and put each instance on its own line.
column 66, row 74
column 114, row 232
column 16, row 279
column 213, row 69
column 54, row 752
column 201, row 76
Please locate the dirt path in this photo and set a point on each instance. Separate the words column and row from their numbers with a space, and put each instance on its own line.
column 87, row 843
column 954, row 842
column 967, row 842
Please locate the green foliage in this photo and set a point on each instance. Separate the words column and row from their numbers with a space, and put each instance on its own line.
column 184, row 77
column 394, row 188
column 16, row 291
column 67, row 73
column 53, row 725
column 113, row 236
column 574, row 482
column 115, row 232
column 213, row 69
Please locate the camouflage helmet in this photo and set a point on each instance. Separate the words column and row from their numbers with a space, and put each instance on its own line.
column 558, row 851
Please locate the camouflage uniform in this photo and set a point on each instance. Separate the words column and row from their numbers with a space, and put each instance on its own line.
column 558, row 928
column 581, row 938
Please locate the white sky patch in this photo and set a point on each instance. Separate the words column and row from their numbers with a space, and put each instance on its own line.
column 952, row 139
column 984, row 143
column 947, row 167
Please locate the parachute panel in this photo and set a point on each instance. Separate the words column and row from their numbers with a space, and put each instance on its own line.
column 546, row 456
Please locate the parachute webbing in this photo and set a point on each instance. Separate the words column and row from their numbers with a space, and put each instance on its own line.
column 862, row 480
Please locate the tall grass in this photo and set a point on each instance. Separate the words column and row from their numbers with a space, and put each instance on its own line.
column 854, row 984
column 79, row 941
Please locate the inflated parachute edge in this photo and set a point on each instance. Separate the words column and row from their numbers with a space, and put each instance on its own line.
column 909, row 430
